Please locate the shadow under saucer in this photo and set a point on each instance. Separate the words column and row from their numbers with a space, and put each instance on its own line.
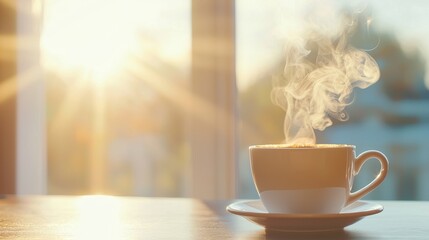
column 339, row 234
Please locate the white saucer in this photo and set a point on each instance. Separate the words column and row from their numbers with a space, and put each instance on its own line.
column 254, row 211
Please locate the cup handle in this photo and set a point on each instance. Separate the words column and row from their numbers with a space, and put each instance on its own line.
column 361, row 159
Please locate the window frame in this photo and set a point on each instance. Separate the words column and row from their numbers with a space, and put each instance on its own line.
column 31, row 170
column 214, row 137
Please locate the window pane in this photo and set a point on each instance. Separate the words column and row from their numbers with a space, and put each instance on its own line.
column 112, row 68
column 390, row 116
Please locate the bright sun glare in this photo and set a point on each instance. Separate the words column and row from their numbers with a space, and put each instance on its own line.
column 93, row 36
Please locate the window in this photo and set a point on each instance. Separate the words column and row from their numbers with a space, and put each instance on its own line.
column 133, row 106
column 112, row 69
column 141, row 99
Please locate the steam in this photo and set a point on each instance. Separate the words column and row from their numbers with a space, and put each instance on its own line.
column 320, row 73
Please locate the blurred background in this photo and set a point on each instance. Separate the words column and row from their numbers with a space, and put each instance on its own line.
column 391, row 115
column 163, row 98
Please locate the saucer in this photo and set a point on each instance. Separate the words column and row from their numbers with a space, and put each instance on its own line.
column 254, row 211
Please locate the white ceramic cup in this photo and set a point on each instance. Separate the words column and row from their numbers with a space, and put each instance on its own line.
column 310, row 179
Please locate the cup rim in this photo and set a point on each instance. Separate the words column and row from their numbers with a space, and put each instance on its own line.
column 301, row 146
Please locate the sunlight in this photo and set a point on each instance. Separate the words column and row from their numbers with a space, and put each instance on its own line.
column 95, row 101
column 9, row 86
column 99, row 218
column 87, row 44
column 7, row 42
column 170, row 87
column 94, row 36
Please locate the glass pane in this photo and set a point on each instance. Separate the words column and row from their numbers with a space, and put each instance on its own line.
column 111, row 68
column 390, row 116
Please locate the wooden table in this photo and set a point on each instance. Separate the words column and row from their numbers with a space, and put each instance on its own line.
column 104, row 217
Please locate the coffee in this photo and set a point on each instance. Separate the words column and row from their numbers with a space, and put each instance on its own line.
column 310, row 178
column 301, row 146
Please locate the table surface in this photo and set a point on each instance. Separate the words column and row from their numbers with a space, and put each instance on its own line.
column 106, row 217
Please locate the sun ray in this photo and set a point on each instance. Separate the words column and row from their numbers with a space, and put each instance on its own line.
column 9, row 44
column 98, row 141
column 69, row 105
column 173, row 89
column 9, row 87
column 9, row 4
column 13, row 6
column 89, row 79
column 8, row 41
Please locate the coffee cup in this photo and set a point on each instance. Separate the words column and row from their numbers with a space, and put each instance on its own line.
column 310, row 179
